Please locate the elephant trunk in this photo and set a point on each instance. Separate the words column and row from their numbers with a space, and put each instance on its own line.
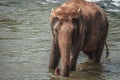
column 65, row 43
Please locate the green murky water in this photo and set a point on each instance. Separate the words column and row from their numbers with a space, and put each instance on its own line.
column 25, row 43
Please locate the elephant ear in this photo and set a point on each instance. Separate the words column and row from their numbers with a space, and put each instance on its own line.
column 81, row 21
column 82, row 26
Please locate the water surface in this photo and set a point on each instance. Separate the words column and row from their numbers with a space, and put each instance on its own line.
column 25, row 43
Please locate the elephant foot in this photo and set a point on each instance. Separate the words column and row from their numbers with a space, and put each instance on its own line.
column 96, row 61
column 72, row 68
column 65, row 72
column 93, row 60
column 65, row 75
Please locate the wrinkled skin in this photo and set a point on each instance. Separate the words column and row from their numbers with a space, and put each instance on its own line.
column 77, row 26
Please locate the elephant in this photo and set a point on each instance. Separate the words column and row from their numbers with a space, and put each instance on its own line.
column 77, row 25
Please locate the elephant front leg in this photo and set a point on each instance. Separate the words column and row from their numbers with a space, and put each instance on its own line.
column 54, row 56
column 73, row 58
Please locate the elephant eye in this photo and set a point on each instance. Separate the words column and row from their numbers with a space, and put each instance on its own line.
column 56, row 19
column 75, row 21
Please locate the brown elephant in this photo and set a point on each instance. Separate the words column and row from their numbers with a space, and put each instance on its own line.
column 77, row 25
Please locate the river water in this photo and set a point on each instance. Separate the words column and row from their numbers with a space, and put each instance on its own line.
column 25, row 43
